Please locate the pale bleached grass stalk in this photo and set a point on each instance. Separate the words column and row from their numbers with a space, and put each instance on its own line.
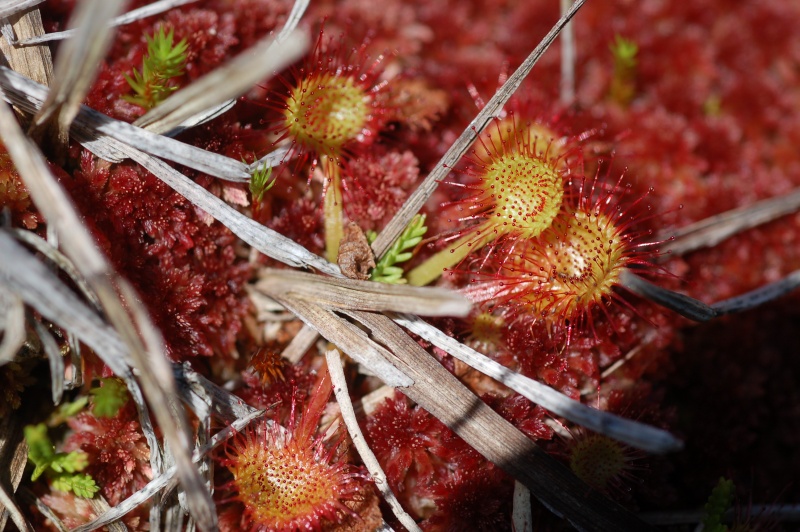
column 300, row 344
column 12, row 324
column 11, row 7
column 568, row 53
column 131, row 16
column 54, row 359
column 367, row 456
column 78, row 61
column 696, row 310
column 712, row 230
column 522, row 515
column 364, row 295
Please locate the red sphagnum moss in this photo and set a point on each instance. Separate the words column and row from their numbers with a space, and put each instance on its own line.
column 703, row 112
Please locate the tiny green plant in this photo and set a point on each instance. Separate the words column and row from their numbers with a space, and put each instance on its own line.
column 623, row 84
column 109, row 397
column 386, row 270
column 260, row 182
column 718, row 503
column 63, row 469
column 164, row 61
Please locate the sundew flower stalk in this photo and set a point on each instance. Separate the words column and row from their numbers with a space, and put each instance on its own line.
column 333, row 110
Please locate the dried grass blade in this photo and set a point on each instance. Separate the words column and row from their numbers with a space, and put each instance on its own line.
column 12, row 324
column 91, row 125
column 13, row 458
column 348, row 338
column 122, row 307
column 714, row 229
column 55, row 360
column 195, row 388
column 9, row 7
column 263, row 239
column 229, row 81
column 165, row 480
column 58, row 259
column 522, row 515
column 364, row 295
column 34, row 62
column 686, row 306
column 8, row 507
column 759, row 296
column 439, row 392
column 415, row 202
column 300, row 344
column 98, row 132
column 41, row 289
column 136, row 14
column 367, row 456
column 630, row 432
column 78, row 60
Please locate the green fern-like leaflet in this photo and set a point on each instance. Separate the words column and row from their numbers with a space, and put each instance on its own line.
column 164, row 61
column 63, row 469
column 386, row 271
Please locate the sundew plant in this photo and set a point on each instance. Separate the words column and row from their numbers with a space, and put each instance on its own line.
column 404, row 265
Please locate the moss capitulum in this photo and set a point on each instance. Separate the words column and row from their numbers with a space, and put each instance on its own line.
column 327, row 111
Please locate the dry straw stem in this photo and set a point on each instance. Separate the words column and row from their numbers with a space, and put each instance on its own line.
column 300, row 344
column 78, row 61
column 34, row 62
column 714, row 229
column 630, row 432
column 367, row 456
column 54, row 358
column 10, row 7
column 136, row 14
column 97, row 132
column 13, row 458
column 696, row 310
column 40, row 288
column 12, row 324
column 348, row 337
column 522, row 515
column 364, row 295
column 493, row 107
column 119, row 303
